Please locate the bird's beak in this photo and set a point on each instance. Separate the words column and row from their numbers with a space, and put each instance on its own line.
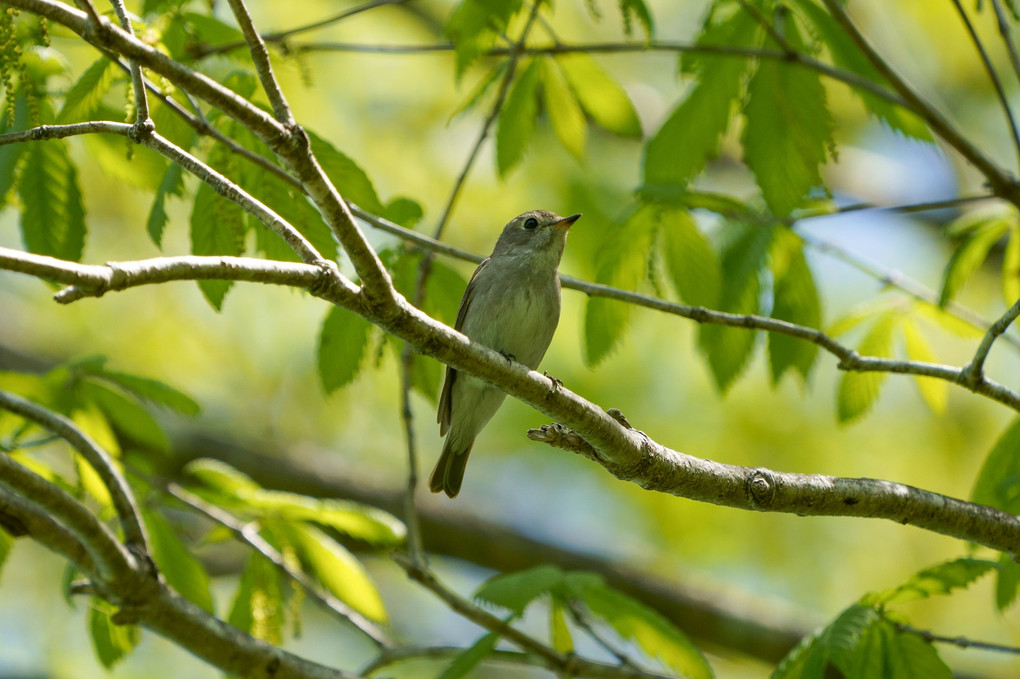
column 566, row 221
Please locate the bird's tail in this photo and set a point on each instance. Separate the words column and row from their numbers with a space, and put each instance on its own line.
column 449, row 471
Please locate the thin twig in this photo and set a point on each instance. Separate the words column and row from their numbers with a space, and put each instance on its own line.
column 1006, row 31
column 975, row 370
column 570, row 665
column 1001, row 183
column 582, row 621
column 248, row 534
column 260, row 56
column 120, row 492
column 992, row 74
column 405, row 653
column 414, row 543
column 137, row 82
column 960, row 642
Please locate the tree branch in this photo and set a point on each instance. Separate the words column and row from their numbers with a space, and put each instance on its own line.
column 975, row 370
column 123, row 499
column 43, row 528
column 137, row 81
column 260, row 57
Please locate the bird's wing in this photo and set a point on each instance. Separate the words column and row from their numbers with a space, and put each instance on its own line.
column 445, row 399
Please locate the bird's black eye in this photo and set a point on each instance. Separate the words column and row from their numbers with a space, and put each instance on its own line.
column 530, row 223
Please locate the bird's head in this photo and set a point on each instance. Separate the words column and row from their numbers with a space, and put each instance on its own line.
column 538, row 234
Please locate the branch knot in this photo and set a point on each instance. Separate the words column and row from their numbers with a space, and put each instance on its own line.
column 761, row 488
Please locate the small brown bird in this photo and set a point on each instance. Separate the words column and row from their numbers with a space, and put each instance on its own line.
column 511, row 305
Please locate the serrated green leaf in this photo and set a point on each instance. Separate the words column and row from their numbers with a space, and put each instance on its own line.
column 52, row 215
column 1011, row 267
column 796, row 301
column 217, row 228
column 468, row 659
column 601, row 97
column 908, row 656
column 153, row 391
column 182, row 570
column 356, row 520
column 805, row 661
column 840, row 639
column 347, row 176
column 968, row 257
column 112, row 643
column 516, row 591
column 934, row 392
column 940, row 579
column 563, row 110
column 221, row 477
column 788, row 131
column 846, row 55
column 1007, row 582
column 337, row 569
column 342, row 344
column 258, row 607
column 559, row 631
column 474, row 26
column 729, row 350
column 638, row 623
column 692, row 264
column 517, row 119
column 859, row 390
column 295, row 208
column 998, row 482
column 692, row 133
column 171, row 185
column 84, row 100
column 126, row 416
column 10, row 154
column 623, row 261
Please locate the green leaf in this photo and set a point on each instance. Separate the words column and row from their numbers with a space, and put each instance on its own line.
column 10, row 154
column 940, row 579
column 480, row 90
column 1011, row 267
column 152, row 390
column 295, row 208
column 258, row 607
column 217, row 228
column 835, row 643
column 443, row 293
column 337, row 569
column 112, row 643
column 636, row 9
column 796, row 301
column 347, row 176
column 908, row 656
column 173, row 185
column 356, row 520
column 846, row 55
column 516, row 591
column 788, row 133
column 6, row 544
column 998, row 482
column 1007, row 582
column 934, row 392
column 636, row 622
column 691, row 262
column 474, row 26
column 221, row 477
column 559, row 632
column 728, row 350
column 859, row 390
column 126, row 416
column 84, row 100
column 692, row 133
column 342, row 344
column 517, row 119
column 182, row 570
column 404, row 211
column 563, row 110
column 601, row 97
column 623, row 261
column 968, row 257
column 52, row 215
column 468, row 659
